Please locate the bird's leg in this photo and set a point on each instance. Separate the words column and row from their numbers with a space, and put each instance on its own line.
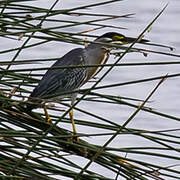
column 73, row 126
column 48, row 118
column 72, row 120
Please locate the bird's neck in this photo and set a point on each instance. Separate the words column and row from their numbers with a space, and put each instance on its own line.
column 94, row 55
column 95, row 52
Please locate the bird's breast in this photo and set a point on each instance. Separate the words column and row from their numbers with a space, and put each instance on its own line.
column 101, row 59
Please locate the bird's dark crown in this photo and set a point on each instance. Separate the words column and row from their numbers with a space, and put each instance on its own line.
column 121, row 38
column 111, row 35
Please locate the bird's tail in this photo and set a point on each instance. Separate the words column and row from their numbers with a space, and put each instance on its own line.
column 32, row 104
column 30, row 107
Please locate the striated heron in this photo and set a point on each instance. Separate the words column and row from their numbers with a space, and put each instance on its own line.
column 64, row 80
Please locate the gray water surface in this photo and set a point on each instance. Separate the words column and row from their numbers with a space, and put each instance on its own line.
column 166, row 30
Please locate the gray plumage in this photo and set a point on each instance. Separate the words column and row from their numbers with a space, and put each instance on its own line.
column 60, row 80
column 56, row 81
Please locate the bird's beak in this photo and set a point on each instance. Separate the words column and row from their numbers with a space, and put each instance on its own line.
column 131, row 40
column 126, row 40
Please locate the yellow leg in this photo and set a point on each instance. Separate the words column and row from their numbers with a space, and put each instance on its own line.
column 73, row 125
column 48, row 118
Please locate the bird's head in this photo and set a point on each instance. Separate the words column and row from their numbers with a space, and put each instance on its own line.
column 117, row 37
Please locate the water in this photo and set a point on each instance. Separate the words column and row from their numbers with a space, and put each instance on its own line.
column 166, row 100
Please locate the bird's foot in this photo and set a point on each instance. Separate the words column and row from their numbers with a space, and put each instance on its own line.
column 48, row 120
column 75, row 138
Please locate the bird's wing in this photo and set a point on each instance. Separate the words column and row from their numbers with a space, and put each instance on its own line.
column 56, row 81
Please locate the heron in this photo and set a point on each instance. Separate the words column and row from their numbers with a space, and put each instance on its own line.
column 65, row 80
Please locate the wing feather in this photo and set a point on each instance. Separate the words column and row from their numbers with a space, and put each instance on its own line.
column 57, row 81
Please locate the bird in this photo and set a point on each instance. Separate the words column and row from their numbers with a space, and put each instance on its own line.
column 65, row 80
